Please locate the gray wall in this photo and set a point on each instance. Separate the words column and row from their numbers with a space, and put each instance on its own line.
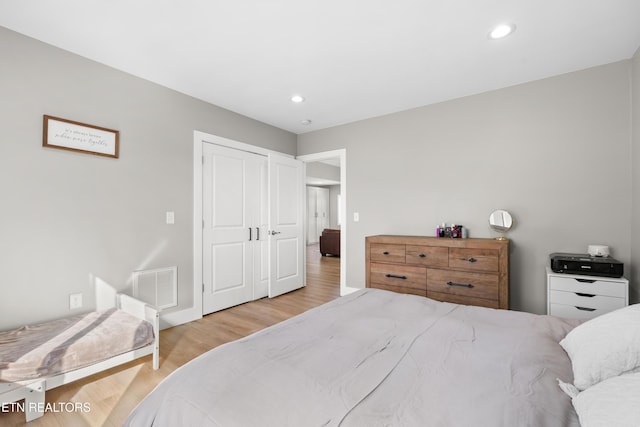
column 69, row 219
column 635, row 225
column 323, row 171
column 554, row 152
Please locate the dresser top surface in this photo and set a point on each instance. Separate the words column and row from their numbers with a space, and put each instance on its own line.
column 437, row 241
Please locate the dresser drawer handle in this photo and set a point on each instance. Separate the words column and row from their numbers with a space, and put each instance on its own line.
column 584, row 295
column 585, row 308
column 585, row 281
column 385, row 253
column 464, row 285
column 422, row 255
column 393, row 276
column 472, row 260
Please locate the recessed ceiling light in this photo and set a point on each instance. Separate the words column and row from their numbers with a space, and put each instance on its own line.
column 502, row 30
column 306, row 122
column 297, row 99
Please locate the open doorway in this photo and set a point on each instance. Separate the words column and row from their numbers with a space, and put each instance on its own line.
column 326, row 189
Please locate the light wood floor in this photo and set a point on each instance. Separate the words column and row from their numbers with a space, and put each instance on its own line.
column 111, row 395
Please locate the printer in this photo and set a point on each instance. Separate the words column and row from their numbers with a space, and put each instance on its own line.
column 586, row 264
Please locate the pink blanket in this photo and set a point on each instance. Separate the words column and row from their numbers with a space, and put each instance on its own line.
column 63, row 345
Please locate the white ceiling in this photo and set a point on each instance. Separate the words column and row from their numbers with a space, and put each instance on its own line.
column 350, row 59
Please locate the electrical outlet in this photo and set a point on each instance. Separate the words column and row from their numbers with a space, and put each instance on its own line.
column 75, row 301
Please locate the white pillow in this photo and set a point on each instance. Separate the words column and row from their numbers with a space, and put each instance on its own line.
column 614, row 402
column 605, row 346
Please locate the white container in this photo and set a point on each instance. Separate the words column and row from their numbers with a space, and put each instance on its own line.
column 598, row 250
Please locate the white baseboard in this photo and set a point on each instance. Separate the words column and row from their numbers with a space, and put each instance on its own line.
column 180, row 317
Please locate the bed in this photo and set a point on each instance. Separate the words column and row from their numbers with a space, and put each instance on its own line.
column 378, row 358
column 40, row 357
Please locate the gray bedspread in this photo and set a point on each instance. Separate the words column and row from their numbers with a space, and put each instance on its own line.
column 376, row 358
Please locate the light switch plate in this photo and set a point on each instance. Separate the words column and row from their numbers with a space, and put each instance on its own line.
column 171, row 218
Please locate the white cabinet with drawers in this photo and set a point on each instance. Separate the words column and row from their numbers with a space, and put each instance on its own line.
column 575, row 296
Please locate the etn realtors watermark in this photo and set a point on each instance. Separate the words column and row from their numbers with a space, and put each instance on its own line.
column 68, row 407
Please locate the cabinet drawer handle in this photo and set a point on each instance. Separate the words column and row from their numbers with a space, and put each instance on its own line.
column 393, row 276
column 464, row 285
column 585, row 280
column 422, row 255
column 585, row 308
column 472, row 260
column 385, row 253
column 584, row 295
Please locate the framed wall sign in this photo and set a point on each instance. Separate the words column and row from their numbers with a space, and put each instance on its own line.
column 74, row 136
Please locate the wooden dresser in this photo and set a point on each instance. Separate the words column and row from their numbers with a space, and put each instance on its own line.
column 462, row 271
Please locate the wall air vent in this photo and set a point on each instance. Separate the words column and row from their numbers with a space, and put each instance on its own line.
column 157, row 287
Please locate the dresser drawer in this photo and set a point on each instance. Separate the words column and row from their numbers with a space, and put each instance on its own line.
column 429, row 256
column 586, row 302
column 477, row 285
column 573, row 312
column 388, row 253
column 474, row 259
column 399, row 278
column 595, row 286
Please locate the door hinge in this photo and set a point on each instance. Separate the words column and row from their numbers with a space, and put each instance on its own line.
column 203, row 288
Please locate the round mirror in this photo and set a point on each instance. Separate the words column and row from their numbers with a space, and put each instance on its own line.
column 501, row 221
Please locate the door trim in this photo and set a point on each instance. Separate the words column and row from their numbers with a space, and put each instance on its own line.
column 198, row 138
column 342, row 155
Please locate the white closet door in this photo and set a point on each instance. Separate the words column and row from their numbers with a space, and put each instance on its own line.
column 317, row 213
column 231, row 204
column 312, row 214
column 286, row 224
column 322, row 203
